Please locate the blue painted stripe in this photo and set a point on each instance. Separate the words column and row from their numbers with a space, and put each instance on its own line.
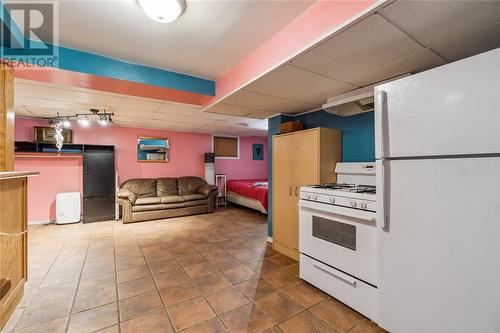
column 85, row 62
column 94, row 64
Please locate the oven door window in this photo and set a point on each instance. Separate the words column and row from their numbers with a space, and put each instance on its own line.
column 335, row 232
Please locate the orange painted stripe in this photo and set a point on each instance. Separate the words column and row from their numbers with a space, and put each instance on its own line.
column 94, row 82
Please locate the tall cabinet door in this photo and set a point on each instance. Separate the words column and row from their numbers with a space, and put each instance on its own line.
column 282, row 188
column 305, row 172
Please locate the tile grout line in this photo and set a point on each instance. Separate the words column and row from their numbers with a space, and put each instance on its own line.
column 116, row 279
column 38, row 287
column 156, row 284
column 77, row 285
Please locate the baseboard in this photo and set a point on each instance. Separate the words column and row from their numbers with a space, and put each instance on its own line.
column 40, row 222
column 269, row 239
column 286, row 251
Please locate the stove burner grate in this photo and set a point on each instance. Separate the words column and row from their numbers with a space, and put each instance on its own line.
column 333, row 186
column 364, row 189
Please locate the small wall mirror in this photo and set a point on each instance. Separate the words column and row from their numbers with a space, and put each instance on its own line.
column 153, row 149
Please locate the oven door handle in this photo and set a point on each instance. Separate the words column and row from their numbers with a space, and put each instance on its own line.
column 351, row 214
column 359, row 217
column 338, row 276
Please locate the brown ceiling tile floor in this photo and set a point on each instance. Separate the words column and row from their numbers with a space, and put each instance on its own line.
column 205, row 273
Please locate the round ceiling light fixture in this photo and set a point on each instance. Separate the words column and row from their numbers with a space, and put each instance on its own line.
column 163, row 11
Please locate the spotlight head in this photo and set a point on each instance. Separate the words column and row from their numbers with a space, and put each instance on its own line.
column 103, row 120
column 66, row 123
column 84, row 121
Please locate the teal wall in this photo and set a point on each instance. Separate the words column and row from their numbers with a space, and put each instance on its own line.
column 358, row 139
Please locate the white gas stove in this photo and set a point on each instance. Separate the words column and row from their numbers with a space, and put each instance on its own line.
column 337, row 236
column 341, row 194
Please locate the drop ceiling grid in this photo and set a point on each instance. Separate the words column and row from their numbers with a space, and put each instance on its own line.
column 35, row 99
column 400, row 37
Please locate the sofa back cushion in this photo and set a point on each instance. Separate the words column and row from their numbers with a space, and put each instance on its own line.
column 142, row 187
column 166, row 187
column 189, row 185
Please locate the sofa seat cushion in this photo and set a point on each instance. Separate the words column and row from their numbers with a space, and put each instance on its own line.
column 147, row 208
column 195, row 203
column 166, row 187
column 147, row 201
column 189, row 185
column 191, row 197
column 171, row 199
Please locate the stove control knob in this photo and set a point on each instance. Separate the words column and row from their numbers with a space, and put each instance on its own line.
column 364, row 205
column 308, row 197
column 315, row 197
column 354, row 204
column 332, row 200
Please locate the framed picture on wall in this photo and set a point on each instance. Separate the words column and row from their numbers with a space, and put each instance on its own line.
column 47, row 134
column 258, row 151
column 153, row 149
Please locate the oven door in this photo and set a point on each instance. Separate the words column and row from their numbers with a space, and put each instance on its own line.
column 343, row 238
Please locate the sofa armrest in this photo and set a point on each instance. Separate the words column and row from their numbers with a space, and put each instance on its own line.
column 126, row 194
column 206, row 189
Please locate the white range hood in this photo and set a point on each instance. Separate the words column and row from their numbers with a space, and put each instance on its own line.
column 351, row 103
column 355, row 101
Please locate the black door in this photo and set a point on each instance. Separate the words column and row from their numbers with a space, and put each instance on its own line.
column 98, row 183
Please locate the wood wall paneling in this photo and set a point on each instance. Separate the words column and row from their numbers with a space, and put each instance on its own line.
column 6, row 118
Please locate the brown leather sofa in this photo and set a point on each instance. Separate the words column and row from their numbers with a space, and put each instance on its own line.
column 151, row 199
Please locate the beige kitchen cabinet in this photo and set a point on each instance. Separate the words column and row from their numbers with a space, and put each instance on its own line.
column 299, row 158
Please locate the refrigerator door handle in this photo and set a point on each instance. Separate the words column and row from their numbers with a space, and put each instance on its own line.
column 380, row 123
column 383, row 194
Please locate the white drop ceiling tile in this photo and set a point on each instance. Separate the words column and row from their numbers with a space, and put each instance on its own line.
column 290, row 106
column 171, row 108
column 437, row 22
column 137, row 104
column 232, row 110
column 262, row 114
column 48, row 112
column 254, row 100
column 412, row 64
column 368, row 44
column 46, row 103
column 67, row 95
column 20, row 111
column 291, row 82
column 134, row 113
column 172, row 117
column 471, row 44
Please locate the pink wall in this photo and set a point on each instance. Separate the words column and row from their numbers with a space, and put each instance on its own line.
column 186, row 152
column 186, row 158
column 57, row 174
column 244, row 167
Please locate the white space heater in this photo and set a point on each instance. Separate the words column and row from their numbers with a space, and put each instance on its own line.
column 210, row 168
column 68, row 207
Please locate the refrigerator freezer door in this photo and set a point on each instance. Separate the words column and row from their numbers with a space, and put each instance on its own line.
column 450, row 110
column 439, row 258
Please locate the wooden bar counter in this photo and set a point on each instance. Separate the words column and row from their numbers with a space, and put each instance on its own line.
column 13, row 240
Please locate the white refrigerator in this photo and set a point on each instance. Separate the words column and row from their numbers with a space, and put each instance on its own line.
column 438, row 198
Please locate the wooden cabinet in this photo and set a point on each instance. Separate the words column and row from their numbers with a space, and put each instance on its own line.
column 13, row 207
column 6, row 118
column 13, row 240
column 299, row 158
